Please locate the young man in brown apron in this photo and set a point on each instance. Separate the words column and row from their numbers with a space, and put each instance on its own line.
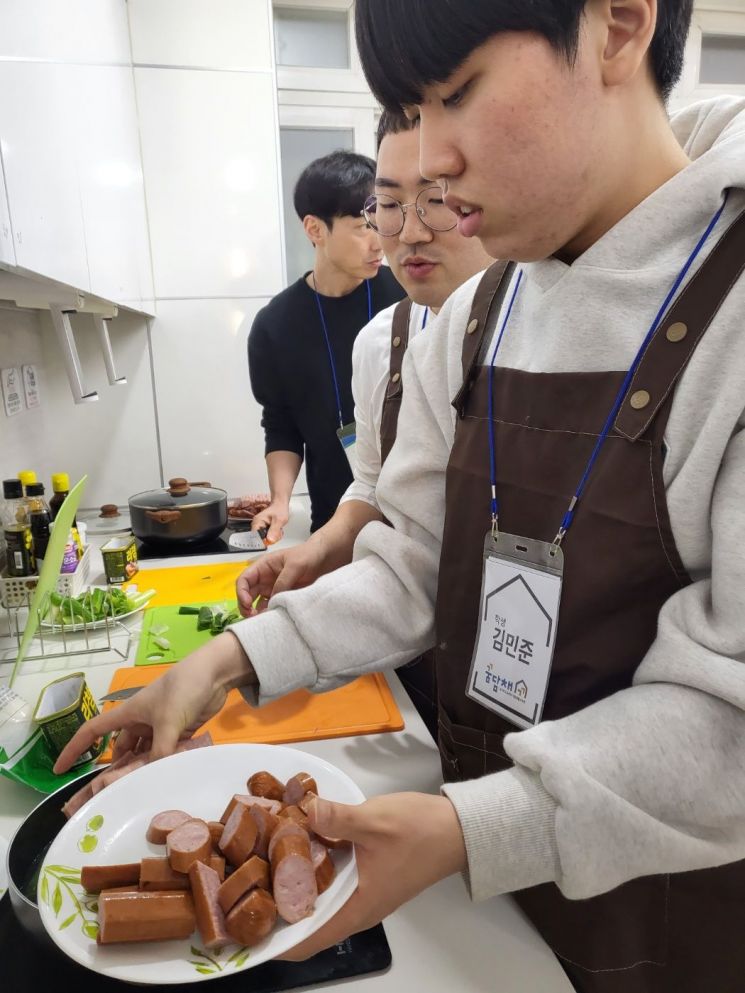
column 591, row 476
column 430, row 260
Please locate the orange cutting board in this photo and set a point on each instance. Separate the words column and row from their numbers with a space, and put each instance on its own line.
column 365, row 706
column 190, row 583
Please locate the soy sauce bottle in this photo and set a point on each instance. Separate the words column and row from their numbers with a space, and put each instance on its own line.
column 16, row 531
column 39, row 520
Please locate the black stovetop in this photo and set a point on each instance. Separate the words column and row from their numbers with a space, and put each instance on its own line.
column 218, row 546
column 27, row 966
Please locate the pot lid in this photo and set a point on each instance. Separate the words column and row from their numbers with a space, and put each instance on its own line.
column 178, row 494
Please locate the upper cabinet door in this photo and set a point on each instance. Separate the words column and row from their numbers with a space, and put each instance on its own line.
column 7, row 250
column 39, row 129
column 111, row 185
column 69, row 31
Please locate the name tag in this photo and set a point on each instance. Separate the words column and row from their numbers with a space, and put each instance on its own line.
column 348, row 438
column 519, row 614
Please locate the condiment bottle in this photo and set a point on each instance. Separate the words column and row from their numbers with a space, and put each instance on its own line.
column 19, row 550
column 27, row 477
column 39, row 519
column 61, row 487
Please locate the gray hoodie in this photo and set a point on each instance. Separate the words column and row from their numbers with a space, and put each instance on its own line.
column 651, row 779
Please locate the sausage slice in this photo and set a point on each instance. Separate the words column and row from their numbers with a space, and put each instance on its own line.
column 162, row 824
column 252, row 918
column 95, row 878
column 266, row 785
column 293, row 879
column 297, row 787
column 252, row 874
column 238, row 839
column 205, row 884
column 190, row 842
column 139, row 916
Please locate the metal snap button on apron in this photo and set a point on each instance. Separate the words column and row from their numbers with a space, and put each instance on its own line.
column 640, row 399
column 396, row 341
column 677, row 331
column 395, row 377
column 472, row 326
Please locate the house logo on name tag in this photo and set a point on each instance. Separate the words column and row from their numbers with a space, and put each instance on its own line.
column 542, row 618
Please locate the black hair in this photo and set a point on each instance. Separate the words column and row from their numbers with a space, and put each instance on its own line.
column 407, row 45
column 393, row 122
column 336, row 185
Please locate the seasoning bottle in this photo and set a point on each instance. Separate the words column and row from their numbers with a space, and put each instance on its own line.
column 60, row 487
column 27, row 477
column 39, row 519
column 17, row 534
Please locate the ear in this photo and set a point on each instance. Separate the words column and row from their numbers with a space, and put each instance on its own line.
column 630, row 27
column 315, row 229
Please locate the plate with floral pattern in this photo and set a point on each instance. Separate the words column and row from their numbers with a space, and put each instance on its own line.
column 111, row 827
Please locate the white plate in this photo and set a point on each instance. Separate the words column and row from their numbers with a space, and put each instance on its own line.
column 111, row 828
column 54, row 627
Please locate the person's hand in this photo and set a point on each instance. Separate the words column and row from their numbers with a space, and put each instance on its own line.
column 171, row 708
column 278, row 572
column 404, row 843
column 274, row 518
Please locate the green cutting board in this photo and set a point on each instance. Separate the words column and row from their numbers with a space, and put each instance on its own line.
column 182, row 633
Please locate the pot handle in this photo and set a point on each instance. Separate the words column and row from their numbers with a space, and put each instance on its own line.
column 163, row 516
column 202, row 482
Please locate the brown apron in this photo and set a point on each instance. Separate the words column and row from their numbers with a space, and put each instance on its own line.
column 658, row 934
column 418, row 677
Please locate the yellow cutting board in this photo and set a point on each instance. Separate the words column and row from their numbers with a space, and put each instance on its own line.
column 190, row 583
column 365, row 706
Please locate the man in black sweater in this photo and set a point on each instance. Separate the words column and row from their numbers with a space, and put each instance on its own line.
column 300, row 344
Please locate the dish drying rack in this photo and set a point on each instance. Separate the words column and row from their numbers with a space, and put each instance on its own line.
column 81, row 638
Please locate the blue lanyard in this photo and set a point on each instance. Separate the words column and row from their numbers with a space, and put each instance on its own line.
column 569, row 515
column 328, row 343
column 424, row 319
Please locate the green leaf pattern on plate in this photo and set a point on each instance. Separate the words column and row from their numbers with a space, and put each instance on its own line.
column 95, row 823
column 211, row 965
column 64, row 883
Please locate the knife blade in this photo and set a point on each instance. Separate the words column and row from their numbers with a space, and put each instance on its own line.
column 124, row 694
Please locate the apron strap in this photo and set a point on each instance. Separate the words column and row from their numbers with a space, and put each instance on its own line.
column 497, row 277
column 678, row 335
column 394, row 390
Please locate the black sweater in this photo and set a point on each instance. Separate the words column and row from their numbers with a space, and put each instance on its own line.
column 291, row 378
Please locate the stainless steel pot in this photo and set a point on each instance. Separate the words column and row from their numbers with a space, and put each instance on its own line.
column 182, row 513
column 27, row 850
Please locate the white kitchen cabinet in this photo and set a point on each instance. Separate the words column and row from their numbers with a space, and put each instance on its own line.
column 111, row 185
column 65, row 30
column 39, row 129
column 7, row 249
column 209, row 149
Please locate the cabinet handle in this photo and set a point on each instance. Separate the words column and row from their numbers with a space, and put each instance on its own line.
column 102, row 326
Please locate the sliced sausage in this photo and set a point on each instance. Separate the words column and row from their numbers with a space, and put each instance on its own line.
column 251, row 874
column 323, row 864
column 216, row 831
column 293, row 879
column 162, row 824
column 95, row 878
column 205, row 884
column 285, row 827
column 266, row 785
column 295, row 814
column 266, row 823
column 252, row 918
column 157, row 874
column 141, row 916
column 239, row 835
column 304, row 803
column 190, row 842
column 217, row 862
column 249, row 801
column 297, row 787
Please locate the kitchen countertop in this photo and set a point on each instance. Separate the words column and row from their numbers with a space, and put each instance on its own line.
column 440, row 941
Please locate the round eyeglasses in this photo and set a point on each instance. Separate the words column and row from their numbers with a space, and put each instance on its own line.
column 387, row 216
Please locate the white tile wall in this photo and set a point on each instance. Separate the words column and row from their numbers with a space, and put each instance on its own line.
column 114, row 440
column 209, row 421
column 65, row 30
column 219, row 34
column 210, row 163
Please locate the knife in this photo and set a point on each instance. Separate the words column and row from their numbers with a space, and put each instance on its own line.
column 124, row 694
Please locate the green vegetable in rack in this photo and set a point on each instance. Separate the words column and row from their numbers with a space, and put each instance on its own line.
column 96, row 605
